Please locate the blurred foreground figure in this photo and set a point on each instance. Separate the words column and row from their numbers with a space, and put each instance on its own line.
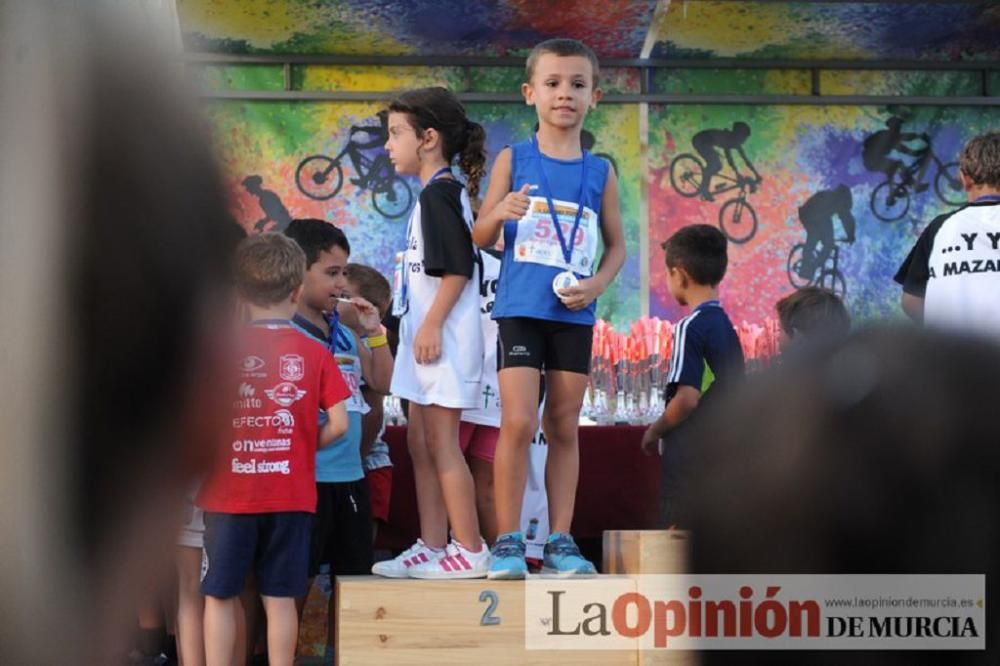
column 876, row 455
column 112, row 261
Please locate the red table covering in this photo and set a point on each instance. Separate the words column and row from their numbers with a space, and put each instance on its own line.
column 618, row 489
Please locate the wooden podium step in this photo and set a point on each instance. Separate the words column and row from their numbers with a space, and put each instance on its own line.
column 480, row 622
column 646, row 551
column 650, row 552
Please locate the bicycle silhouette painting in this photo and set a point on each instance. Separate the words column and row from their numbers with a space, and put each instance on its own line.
column 321, row 177
column 703, row 175
column 905, row 158
column 816, row 262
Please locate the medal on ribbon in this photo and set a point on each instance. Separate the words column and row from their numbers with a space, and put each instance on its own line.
column 566, row 278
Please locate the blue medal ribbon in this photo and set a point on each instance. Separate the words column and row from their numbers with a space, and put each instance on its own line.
column 333, row 321
column 567, row 250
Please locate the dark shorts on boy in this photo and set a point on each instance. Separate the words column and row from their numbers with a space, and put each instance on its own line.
column 523, row 342
column 342, row 529
column 274, row 545
column 674, row 460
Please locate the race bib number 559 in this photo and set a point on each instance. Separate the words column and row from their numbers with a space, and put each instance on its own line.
column 537, row 241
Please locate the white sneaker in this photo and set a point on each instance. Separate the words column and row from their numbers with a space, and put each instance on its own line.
column 400, row 566
column 457, row 562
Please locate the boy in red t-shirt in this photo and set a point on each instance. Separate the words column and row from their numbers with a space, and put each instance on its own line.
column 260, row 497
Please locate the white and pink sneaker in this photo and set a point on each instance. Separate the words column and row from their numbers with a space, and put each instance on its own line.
column 458, row 562
column 399, row 567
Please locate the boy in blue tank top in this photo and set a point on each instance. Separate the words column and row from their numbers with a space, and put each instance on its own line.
column 550, row 199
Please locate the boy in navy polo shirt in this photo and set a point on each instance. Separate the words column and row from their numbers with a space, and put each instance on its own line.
column 707, row 355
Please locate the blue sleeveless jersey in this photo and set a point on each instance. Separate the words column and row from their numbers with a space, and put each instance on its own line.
column 524, row 289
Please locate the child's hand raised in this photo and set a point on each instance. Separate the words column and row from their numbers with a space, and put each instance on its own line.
column 368, row 315
column 515, row 204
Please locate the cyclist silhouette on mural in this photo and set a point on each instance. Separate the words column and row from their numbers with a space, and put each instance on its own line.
column 816, row 216
column 707, row 142
column 270, row 203
column 877, row 149
column 378, row 135
column 320, row 177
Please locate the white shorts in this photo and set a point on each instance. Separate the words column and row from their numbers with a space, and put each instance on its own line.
column 451, row 381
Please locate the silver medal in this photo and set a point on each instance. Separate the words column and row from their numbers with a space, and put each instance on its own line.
column 563, row 280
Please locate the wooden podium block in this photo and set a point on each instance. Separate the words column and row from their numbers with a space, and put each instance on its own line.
column 650, row 552
column 646, row 551
column 481, row 622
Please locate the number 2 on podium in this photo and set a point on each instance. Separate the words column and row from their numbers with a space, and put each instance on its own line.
column 488, row 618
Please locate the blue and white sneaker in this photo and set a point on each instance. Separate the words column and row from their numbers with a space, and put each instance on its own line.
column 508, row 558
column 563, row 558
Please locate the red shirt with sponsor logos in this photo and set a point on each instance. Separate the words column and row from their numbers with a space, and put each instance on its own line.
column 269, row 463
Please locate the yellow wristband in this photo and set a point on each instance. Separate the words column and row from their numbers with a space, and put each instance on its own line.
column 377, row 341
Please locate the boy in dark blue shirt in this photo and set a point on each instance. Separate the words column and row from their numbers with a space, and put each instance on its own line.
column 707, row 355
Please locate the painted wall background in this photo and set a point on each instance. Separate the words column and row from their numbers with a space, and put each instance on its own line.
column 829, row 30
column 801, row 150
column 798, row 150
column 614, row 28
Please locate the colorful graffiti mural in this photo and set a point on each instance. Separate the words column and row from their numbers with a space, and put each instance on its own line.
column 829, row 30
column 827, row 174
column 810, row 178
column 614, row 28
column 287, row 160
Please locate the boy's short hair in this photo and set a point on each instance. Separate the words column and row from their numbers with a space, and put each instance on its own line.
column 980, row 159
column 372, row 285
column 563, row 48
column 269, row 267
column 315, row 236
column 700, row 249
column 813, row 312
